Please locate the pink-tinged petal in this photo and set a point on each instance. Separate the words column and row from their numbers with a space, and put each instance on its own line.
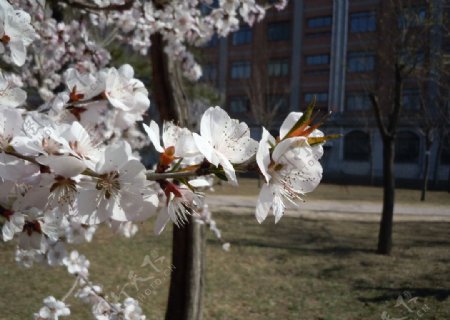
column 263, row 154
column 126, row 71
column 228, row 169
column 87, row 203
column 264, row 203
column 114, row 157
column 285, row 146
column 18, row 52
column 13, row 97
column 132, row 170
column 153, row 133
column 289, row 122
column 206, row 149
column 161, row 221
column 214, row 119
column 278, row 207
column 10, row 122
column 66, row 166
column 14, row 169
column 200, row 183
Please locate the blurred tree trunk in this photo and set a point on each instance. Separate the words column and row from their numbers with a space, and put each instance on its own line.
column 388, row 130
column 185, row 299
column 387, row 217
column 426, row 164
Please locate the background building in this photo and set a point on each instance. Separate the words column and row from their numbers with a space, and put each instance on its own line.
column 334, row 50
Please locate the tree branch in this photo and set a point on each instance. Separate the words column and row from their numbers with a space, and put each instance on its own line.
column 378, row 115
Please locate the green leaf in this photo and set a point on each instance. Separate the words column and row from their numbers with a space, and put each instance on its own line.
column 316, row 140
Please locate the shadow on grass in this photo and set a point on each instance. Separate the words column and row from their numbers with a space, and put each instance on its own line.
column 298, row 248
column 390, row 294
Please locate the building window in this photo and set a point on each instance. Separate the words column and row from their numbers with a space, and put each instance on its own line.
column 407, row 147
column 209, row 72
column 240, row 70
column 239, row 104
column 363, row 22
column 278, row 68
column 242, row 36
column 321, row 97
column 357, row 146
column 411, row 99
column 317, row 59
column 279, row 31
column 319, row 22
column 212, row 42
column 279, row 102
column 358, row 101
column 361, row 61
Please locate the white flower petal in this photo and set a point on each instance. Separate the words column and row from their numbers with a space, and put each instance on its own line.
column 264, row 203
column 153, row 133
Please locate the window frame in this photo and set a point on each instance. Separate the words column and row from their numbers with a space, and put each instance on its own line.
column 363, row 21
column 247, row 69
column 271, row 26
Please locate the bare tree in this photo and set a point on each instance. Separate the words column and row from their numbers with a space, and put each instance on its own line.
column 266, row 91
column 404, row 37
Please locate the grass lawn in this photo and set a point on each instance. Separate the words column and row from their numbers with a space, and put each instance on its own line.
column 343, row 192
column 297, row 269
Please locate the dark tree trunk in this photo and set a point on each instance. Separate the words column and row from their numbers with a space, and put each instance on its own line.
column 186, row 285
column 426, row 165
column 185, row 299
column 385, row 233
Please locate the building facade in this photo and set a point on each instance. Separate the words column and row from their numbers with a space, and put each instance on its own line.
column 334, row 51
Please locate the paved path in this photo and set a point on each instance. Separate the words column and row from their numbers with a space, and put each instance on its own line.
column 332, row 209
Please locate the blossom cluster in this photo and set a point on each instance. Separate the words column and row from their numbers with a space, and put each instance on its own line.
column 181, row 24
column 71, row 164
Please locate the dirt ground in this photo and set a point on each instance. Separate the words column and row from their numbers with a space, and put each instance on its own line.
column 296, row 269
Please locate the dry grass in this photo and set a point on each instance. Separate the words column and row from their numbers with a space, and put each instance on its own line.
column 343, row 192
column 297, row 269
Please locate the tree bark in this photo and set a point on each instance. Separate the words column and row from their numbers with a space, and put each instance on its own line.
column 185, row 301
column 385, row 233
column 187, row 281
column 426, row 165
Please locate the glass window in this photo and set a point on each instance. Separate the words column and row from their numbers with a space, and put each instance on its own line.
column 239, row 104
column 358, row 101
column 321, row 97
column 206, row 9
column 411, row 99
column 242, row 36
column 278, row 101
column 407, row 147
column 319, row 22
column 357, row 146
column 240, row 70
column 212, row 42
column 363, row 22
column 278, row 68
column 318, row 59
column 209, row 72
column 279, row 31
column 360, row 61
